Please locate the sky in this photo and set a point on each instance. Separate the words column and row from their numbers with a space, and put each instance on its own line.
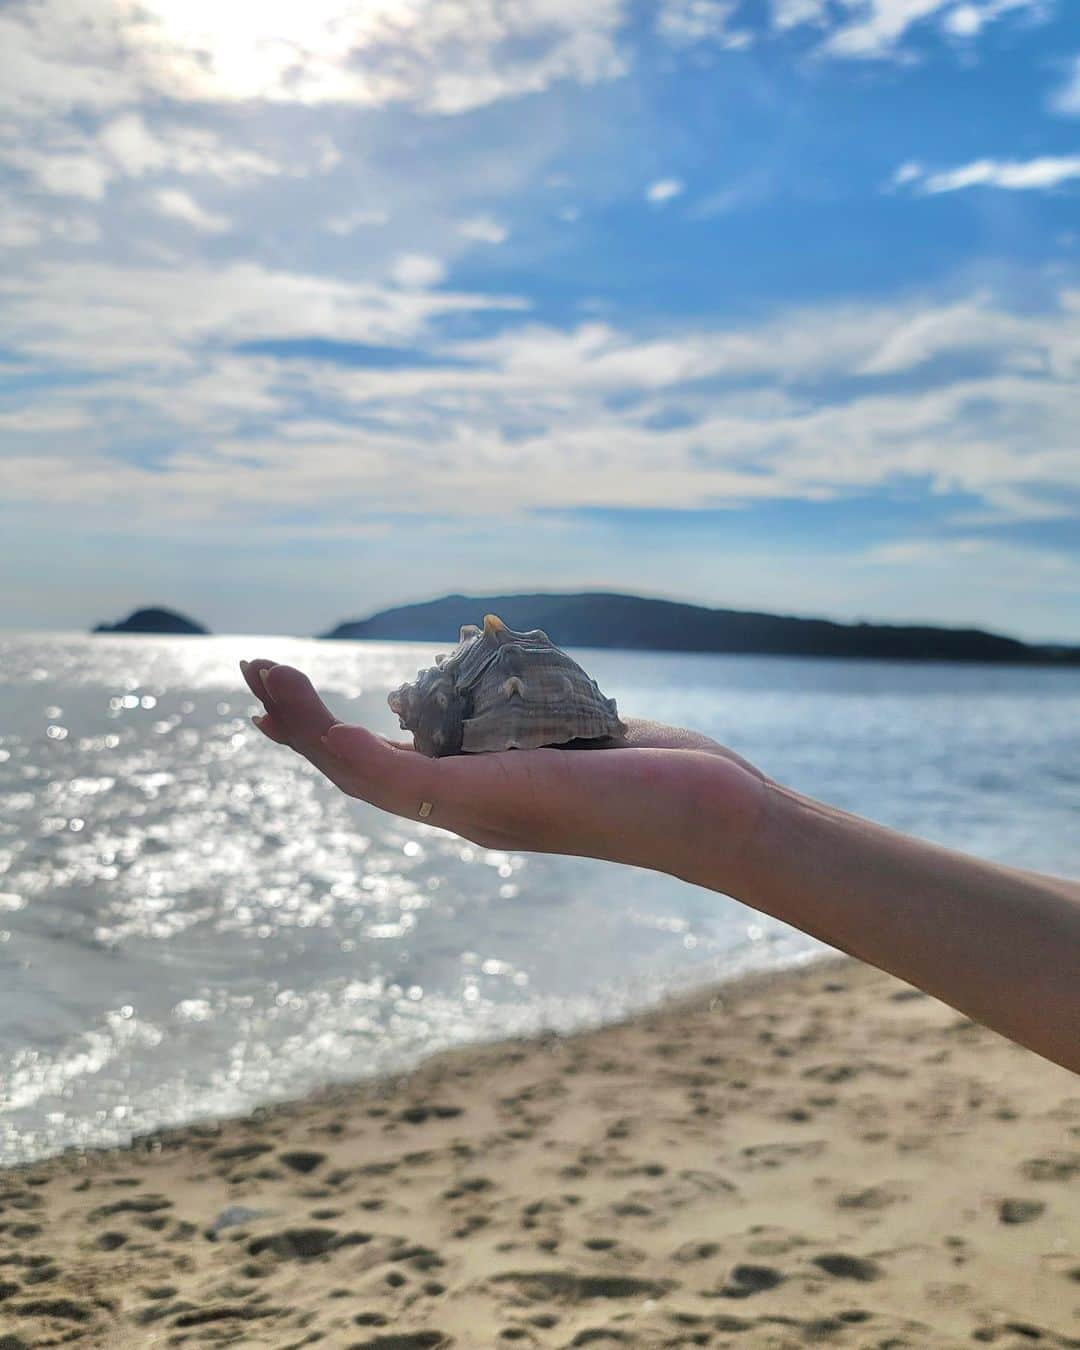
column 313, row 307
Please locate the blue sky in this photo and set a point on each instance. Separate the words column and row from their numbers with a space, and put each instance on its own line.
column 311, row 308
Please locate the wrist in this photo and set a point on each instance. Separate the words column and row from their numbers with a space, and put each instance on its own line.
column 728, row 815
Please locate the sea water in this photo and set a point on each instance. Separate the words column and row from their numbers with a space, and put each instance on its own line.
column 193, row 921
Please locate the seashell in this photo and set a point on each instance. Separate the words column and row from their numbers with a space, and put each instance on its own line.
column 501, row 690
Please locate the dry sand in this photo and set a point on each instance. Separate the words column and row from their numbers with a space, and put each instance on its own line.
column 822, row 1157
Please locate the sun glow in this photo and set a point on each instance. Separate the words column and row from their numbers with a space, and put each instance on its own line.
column 294, row 50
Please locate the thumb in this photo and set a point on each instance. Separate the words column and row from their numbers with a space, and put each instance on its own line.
column 396, row 780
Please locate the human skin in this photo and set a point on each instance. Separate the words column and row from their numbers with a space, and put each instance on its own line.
column 999, row 944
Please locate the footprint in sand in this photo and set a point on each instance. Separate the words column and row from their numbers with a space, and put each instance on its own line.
column 1020, row 1211
column 871, row 1197
column 1056, row 1166
column 139, row 1204
column 406, row 1340
column 745, row 1280
column 304, row 1243
column 302, row 1160
column 842, row 1266
column 567, row 1286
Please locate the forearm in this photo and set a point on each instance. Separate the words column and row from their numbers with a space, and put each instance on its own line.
column 999, row 944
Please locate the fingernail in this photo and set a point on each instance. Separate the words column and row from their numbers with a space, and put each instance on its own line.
column 262, row 678
column 259, row 719
column 244, row 666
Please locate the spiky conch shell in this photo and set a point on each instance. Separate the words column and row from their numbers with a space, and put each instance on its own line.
column 504, row 690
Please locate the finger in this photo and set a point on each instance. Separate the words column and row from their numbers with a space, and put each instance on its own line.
column 296, row 707
column 393, row 777
column 646, row 734
column 269, row 728
column 304, row 718
column 252, row 672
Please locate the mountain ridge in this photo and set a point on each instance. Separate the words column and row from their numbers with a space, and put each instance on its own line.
column 640, row 623
column 154, row 620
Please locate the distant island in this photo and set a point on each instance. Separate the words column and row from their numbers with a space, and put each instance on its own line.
column 597, row 619
column 153, row 621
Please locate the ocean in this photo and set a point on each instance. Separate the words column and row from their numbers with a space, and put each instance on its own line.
column 193, row 922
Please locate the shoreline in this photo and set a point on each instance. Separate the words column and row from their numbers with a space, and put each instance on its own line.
column 673, row 995
column 783, row 1159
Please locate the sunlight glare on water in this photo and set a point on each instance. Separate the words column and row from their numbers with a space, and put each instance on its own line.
column 193, row 921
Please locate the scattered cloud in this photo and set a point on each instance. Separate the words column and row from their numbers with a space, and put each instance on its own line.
column 878, row 28
column 284, row 349
column 44, row 419
column 964, row 21
column 99, row 317
column 664, row 190
column 24, row 227
column 814, row 404
column 1067, row 98
column 182, row 206
column 350, row 221
column 909, row 172
column 484, row 229
column 60, row 174
column 1048, row 171
column 792, row 13
column 1006, row 568
column 416, row 271
column 108, row 54
column 67, row 160
column 135, row 150
column 684, row 22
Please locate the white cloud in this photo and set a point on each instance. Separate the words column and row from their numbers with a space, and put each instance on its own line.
column 21, row 227
column 991, row 564
column 66, row 160
column 918, row 337
column 350, row 221
column 909, row 172
column 182, row 206
column 664, row 189
column 135, row 150
column 1016, row 175
column 445, row 56
column 536, row 416
column 59, row 56
column 1067, row 98
column 61, row 175
column 416, row 271
column 965, row 21
column 44, row 419
column 684, row 22
column 799, row 347
column 791, row 13
column 878, row 27
column 484, row 229
column 98, row 317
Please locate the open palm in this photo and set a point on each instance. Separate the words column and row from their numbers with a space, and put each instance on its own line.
column 637, row 802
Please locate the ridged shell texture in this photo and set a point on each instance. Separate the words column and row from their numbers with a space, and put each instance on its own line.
column 502, row 690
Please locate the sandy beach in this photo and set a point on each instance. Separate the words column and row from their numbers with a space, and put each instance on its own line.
column 824, row 1156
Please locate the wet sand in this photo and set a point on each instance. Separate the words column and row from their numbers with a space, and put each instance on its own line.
column 823, row 1157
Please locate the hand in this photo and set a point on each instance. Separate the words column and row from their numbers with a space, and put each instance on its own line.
column 640, row 802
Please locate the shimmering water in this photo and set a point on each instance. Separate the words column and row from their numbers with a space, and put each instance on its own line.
column 192, row 921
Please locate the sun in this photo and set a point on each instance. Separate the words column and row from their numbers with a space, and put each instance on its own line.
column 282, row 50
